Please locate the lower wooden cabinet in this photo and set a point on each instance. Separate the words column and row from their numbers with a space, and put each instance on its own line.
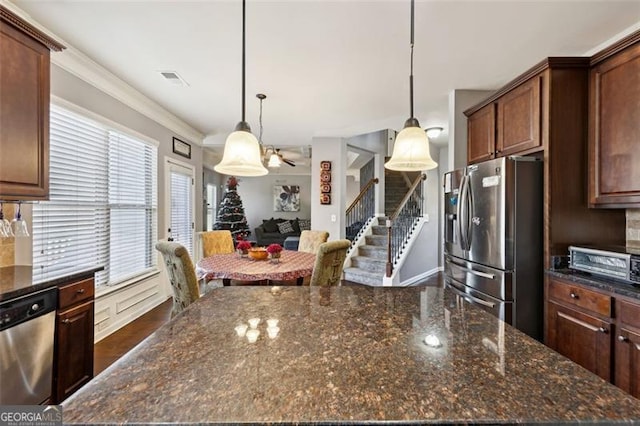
column 583, row 325
column 584, row 339
column 73, row 351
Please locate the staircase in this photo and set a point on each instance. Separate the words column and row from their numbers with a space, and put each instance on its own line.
column 369, row 266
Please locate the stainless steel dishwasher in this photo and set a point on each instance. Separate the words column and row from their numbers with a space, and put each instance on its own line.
column 26, row 347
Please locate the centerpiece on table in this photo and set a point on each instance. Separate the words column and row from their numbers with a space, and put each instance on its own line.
column 243, row 248
column 274, row 251
column 258, row 253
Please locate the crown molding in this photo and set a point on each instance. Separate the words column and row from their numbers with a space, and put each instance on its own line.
column 80, row 65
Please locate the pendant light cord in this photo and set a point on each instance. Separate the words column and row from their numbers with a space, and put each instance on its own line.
column 411, row 73
column 243, row 58
column 260, row 119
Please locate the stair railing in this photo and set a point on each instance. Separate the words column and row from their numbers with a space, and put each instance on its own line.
column 402, row 222
column 361, row 210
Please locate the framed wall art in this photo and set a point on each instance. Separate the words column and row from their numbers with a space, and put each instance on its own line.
column 181, row 148
column 325, row 182
column 286, row 198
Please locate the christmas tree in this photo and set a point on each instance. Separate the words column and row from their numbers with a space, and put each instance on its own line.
column 231, row 213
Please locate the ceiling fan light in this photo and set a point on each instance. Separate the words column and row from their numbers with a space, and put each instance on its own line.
column 274, row 161
column 433, row 132
column 411, row 152
column 242, row 156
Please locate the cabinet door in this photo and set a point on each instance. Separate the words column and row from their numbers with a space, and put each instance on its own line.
column 24, row 114
column 481, row 131
column 73, row 363
column 614, row 130
column 627, row 375
column 518, row 119
column 583, row 339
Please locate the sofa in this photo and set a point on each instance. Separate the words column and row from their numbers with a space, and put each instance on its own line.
column 275, row 231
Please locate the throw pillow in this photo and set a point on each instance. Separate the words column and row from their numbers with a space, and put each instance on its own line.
column 296, row 225
column 305, row 224
column 270, row 225
column 285, row 227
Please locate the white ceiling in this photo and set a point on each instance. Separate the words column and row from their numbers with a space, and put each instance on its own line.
column 329, row 68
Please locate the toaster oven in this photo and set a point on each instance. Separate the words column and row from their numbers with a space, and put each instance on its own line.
column 611, row 262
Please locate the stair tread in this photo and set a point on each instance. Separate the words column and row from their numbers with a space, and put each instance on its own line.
column 358, row 271
column 372, row 259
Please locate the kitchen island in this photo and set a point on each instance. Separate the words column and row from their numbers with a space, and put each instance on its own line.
column 344, row 354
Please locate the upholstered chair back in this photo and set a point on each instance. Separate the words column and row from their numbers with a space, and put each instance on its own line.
column 310, row 240
column 181, row 273
column 216, row 242
column 327, row 270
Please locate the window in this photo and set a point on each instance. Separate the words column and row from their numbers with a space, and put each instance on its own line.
column 102, row 209
column 211, row 205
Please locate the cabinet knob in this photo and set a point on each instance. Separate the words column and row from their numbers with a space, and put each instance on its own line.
column 573, row 295
column 66, row 321
column 622, row 338
column 603, row 330
column 80, row 290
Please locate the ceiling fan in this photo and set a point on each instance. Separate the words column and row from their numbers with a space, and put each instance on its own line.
column 270, row 155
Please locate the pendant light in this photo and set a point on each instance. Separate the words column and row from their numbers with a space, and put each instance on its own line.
column 411, row 147
column 242, row 154
column 274, row 160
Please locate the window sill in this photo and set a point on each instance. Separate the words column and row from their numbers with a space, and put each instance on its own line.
column 108, row 289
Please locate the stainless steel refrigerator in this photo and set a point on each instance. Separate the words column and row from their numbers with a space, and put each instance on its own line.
column 493, row 239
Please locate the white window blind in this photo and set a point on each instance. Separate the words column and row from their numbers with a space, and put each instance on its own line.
column 182, row 207
column 75, row 229
column 132, row 206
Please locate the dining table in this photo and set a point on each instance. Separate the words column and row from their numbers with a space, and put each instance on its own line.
column 292, row 265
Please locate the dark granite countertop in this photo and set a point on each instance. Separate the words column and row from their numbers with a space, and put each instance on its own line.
column 17, row 281
column 601, row 283
column 348, row 355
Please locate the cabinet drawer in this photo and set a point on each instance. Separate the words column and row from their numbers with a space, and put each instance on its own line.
column 73, row 293
column 578, row 296
column 628, row 313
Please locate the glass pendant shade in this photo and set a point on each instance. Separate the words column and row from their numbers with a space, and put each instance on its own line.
column 411, row 152
column 242, row 156
column 274, row 161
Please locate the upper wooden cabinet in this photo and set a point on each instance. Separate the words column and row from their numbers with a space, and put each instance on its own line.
column 510, row 122
column 24, row 109
column 518, row 118
column 614, row 125
column 544, row 113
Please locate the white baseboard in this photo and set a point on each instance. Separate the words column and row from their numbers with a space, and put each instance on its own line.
column 418, row 278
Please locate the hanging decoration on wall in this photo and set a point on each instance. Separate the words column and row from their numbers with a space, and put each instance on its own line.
column 286, row 198
column 325, row 182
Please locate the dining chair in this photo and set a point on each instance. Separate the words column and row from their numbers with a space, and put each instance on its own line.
column 327, row 270
column 310, row 240
column 214, row 242
column 181, row 273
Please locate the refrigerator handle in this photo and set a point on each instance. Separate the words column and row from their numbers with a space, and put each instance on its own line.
column 471, row 271
column 469, row 193
column 469, row 297
column 463, row 214
column 459, row 214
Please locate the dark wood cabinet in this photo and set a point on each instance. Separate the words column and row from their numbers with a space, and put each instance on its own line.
column 24, row 109
column 579, row 326
column 518, row 126
column 544, row 113
column 73, row 353
column 582, row 338
column 510, row 124
column 582, row 324
column 627, row 348
column 614, row 125
column 481, row 135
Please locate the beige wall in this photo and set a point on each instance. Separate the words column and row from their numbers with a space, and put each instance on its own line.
column 633, row 228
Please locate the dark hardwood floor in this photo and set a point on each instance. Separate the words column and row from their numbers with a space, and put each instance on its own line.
column 112, row 347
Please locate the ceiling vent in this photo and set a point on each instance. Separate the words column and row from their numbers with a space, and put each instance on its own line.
column 173, row 78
